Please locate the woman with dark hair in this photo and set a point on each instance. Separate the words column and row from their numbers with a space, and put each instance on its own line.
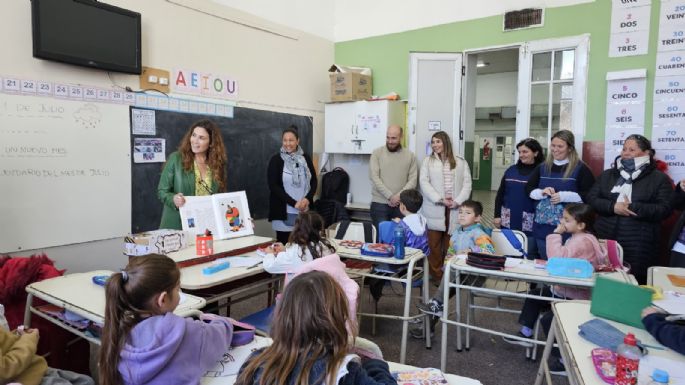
column 445, row 181
column 563, row 178
column 292, row 184
column 513, row 207
column 632, row 198
column 197, row 168
column 677, row 239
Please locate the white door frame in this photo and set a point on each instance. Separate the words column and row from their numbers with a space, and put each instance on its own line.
column 581, row 44
column 414, row 58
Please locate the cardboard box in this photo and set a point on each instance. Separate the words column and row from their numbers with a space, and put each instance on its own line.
column 350, row 83
column 155, row 242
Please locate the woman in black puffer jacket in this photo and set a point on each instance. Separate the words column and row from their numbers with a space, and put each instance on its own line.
column 632, row 198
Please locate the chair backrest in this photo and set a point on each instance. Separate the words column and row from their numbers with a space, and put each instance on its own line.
column 614, row 252
column 356, row 231
column 386, row 231
column 504, row 247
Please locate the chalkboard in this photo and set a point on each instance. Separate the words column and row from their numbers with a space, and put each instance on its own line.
column 251, row 138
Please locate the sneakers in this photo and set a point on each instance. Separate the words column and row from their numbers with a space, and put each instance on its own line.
column 417, row 332
column 512, row 341
column 431, row 307
column 556, row 367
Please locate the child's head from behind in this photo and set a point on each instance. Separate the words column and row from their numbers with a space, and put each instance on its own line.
column 308, row 227
column 149, row 285
column 310, row 323
column 411, row 200
column 578, row 217
column 469, row 213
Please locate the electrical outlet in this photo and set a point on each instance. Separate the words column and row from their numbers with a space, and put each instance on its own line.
column 151, row 79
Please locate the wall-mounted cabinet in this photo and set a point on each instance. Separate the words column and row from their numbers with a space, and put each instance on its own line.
column 359, row 127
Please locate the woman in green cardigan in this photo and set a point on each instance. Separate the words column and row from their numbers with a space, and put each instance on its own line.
column 197, row 168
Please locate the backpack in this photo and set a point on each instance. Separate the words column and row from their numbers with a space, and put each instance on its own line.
column 335, row 185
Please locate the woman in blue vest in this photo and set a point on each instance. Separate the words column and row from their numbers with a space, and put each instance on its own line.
column 561, row 179
column 513, row 208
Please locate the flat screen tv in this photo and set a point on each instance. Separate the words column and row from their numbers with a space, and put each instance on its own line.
column 87, row 33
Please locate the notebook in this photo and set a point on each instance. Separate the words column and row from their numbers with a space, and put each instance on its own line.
column 427, row 376
column 620, row 302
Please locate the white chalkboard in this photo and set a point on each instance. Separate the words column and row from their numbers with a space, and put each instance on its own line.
column 65, row 174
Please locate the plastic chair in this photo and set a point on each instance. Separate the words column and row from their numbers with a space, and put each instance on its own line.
column 261, row 320
column 504, row 247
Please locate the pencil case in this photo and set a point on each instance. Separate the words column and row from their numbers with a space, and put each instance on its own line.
column 377, row 250
column 604, row 361
column 485, row 261
column 569, row 267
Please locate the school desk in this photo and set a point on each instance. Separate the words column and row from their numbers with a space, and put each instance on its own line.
column 512, row 282
column 658, row 276
column 575, row 350
column 411, row 258
column 237, row 283
column 452, row 379
column 78, row 294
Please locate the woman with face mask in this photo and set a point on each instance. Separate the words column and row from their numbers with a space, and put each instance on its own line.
column 632, row 198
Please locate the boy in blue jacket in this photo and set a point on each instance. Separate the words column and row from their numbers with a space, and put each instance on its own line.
column 669, row 333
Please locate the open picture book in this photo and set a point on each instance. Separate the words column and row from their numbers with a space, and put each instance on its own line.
column 226, row 215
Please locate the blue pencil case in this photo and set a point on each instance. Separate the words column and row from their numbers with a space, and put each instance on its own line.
column 377, row 250
column 569, row 267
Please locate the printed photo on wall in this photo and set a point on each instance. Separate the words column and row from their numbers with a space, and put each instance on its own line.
column 149, row 150
column 226, row 215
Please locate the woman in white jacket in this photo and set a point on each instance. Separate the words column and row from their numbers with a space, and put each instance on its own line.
column 445, row 181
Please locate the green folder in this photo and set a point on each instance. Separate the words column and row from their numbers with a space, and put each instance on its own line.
column 620, row 302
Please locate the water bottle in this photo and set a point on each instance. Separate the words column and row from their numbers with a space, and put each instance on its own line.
column 627, row 361
column 399, row 242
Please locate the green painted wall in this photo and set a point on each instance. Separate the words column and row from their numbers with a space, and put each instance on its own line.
column 388, row 55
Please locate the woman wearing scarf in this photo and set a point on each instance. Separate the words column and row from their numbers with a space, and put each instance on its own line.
column 632, row 198
column 292, row 184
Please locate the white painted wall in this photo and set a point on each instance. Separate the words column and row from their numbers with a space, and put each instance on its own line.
column 284, row 74
column 497, row 90
column 312, row 16
column 357, row 19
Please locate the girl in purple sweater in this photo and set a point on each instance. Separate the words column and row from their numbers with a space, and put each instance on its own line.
column 143, row 341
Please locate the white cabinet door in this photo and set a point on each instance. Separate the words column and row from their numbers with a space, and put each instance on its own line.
column 363, row 130
column 339, row 119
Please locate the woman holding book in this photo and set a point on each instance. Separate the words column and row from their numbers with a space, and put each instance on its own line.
column 292, row 184
column 197, row 168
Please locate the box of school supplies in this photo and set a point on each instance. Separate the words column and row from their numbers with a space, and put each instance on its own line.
column 155, row 242
column 350, row 83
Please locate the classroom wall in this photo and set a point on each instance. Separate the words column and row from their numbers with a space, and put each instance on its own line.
column 388, row 55
column 277, row 68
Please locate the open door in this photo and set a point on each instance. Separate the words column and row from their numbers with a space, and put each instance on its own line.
column 434, row 100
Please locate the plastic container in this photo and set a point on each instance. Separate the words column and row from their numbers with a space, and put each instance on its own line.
column 659, row 377
column 398, row 242
column 627, row 361
column 204, row 244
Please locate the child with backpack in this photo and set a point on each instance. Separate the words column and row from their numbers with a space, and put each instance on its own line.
column 307, row 242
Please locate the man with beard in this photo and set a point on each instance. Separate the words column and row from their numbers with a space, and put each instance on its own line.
column 391, row 170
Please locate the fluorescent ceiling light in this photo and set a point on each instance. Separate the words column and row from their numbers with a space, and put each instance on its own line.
column 481, row 64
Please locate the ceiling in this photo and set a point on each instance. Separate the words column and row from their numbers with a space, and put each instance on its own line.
column 506, row 60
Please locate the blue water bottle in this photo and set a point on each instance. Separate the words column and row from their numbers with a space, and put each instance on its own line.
column 399, row 242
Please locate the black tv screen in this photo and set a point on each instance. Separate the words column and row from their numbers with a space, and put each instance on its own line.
column 87, row 33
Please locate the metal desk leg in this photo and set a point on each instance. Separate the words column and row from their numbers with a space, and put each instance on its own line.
column 457, row 295
column 543, row 371
column 27, row 310
column 445, row 317
column 407, row 303
column 426, row 294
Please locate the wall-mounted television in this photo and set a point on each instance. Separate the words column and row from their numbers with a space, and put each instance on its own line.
column 87, row 33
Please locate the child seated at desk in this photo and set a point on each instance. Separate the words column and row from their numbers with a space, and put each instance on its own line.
column 306, row 243
column 578, row 220
column 414, row 224
column 143, row 341
column 669, row 333
column 311, row 343
column 469, row 236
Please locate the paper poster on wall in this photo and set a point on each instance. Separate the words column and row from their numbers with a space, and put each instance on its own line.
column 625, row 109
column 671, row 37
column 142, row 122
column 668, row 112
column 626, row 90
column 610, row 154
column 149, row 150
column 630, row 3
column 672, row 13
column 670, row 136
column 666, row 87
column 670, row 63
column 626, row 115
column 629, row 43
column 630, row 19
column 675, row 159
column 369, row 122
column 434, row 125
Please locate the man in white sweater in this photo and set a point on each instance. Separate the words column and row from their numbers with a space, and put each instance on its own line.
column 391, row 170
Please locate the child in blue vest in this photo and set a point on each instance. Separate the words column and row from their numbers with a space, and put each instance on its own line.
column 469, row 236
